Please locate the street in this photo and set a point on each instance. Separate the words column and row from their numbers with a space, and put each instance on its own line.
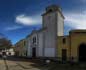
column 12, row 63
column 19, row 64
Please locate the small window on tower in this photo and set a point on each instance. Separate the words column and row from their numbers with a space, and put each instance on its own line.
column 50, row 10
column 64, row 40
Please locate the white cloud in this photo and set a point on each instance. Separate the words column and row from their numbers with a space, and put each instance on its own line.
column 76, row 20
column 28, row 20
column 12, row 28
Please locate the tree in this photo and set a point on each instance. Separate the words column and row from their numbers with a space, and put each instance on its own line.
column 5, row 43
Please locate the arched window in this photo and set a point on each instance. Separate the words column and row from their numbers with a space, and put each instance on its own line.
column 34, row 40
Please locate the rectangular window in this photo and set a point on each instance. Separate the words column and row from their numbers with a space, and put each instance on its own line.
column 64, row 40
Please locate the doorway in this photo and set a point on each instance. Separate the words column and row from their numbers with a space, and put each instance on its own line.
column 82, row 52
column 34, row 52
column 64, row 54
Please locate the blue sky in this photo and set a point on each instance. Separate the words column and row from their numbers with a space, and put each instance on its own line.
column 19, row 17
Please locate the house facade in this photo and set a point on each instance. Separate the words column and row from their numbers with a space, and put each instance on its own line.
column 20, row 48
column 73, row 46
column 10, row 52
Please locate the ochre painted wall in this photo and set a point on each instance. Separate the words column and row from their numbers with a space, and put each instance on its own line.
column 20, row 48
column 73, row 41
column 76, row 40
column 61, row 46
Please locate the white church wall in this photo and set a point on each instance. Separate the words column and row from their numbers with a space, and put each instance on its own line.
column 60, row 25
column 53, row 21
column 40, row 44
column 49, row 21
column 29, row 50
column 49, row 52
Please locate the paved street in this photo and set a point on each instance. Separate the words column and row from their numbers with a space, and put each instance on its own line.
column 19, row 64
column 35, row 64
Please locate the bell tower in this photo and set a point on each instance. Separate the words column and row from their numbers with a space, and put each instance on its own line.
column 53, row 21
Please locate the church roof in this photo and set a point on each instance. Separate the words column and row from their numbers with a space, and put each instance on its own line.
column 53, row 8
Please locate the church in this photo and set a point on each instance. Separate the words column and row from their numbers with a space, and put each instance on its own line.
column 50, row 41
column 43, row 42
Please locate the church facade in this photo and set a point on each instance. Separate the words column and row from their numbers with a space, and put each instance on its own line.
column 50, row 41
column 46, row 38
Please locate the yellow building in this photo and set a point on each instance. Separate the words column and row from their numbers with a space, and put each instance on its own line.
column 20, row 48
column 72, row 47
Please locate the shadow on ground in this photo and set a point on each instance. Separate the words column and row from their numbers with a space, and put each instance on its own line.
column 37, row 63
